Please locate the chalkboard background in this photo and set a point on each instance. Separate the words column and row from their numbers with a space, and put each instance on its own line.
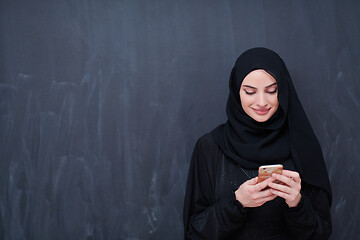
column 101, row 103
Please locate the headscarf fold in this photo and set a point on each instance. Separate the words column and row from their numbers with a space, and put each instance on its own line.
column 287, row 134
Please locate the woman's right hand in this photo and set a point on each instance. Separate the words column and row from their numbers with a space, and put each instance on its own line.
column 252, row 194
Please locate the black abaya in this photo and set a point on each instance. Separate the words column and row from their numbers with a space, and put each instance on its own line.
column 212, row 212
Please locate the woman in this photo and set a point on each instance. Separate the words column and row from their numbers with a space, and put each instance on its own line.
column 266, row 125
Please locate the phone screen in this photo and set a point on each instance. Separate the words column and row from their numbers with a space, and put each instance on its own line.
column 266, row 171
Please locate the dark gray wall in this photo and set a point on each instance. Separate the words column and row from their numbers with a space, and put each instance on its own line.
column 101, row 103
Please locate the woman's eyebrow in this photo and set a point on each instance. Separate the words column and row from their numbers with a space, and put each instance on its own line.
column 248, row 86
column 271, row 85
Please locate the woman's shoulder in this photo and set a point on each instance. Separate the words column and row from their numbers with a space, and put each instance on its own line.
column 206, row 154
column 206, row 141
column 207, row 148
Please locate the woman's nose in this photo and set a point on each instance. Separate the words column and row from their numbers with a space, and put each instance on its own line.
column 261, row 100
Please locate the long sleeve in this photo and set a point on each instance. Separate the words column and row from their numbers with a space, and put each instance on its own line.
column 311, row 219
column 204, row 216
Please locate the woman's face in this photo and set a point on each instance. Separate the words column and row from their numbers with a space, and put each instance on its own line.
column 259, row 95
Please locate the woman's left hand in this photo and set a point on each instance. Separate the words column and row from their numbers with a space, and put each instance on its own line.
column 289, row 188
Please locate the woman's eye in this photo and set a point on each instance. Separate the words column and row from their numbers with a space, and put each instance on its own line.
column 249, row 93
column 272, row 91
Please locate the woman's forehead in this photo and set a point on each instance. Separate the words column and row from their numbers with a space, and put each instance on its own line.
column 259, row 78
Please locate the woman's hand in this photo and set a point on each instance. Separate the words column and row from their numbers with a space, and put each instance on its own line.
column 252, row 194
column 289, row 188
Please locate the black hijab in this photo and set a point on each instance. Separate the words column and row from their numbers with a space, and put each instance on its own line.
column 287, row 134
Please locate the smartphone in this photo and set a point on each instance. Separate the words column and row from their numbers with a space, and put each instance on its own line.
column 266, row 171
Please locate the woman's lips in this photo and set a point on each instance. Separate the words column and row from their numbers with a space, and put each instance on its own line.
column 262, row 111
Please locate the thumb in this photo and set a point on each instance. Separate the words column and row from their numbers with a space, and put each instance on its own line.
column 252, row 181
